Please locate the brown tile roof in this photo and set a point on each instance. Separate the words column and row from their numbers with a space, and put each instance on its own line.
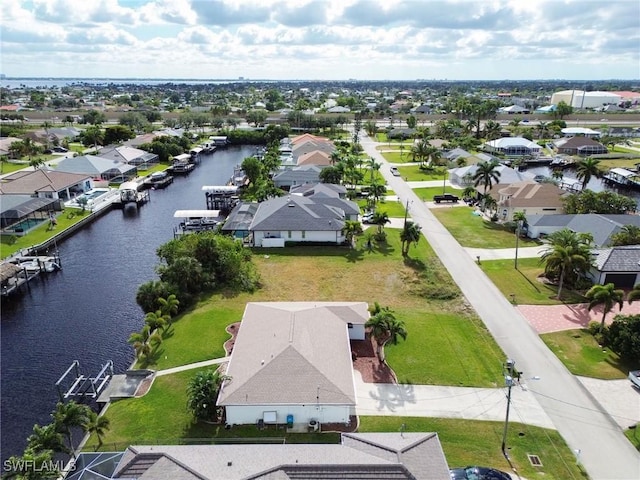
column 40, row 180
column 528, row 194
column 316, row 157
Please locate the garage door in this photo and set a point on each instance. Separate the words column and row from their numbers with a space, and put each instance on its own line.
column 621, row 280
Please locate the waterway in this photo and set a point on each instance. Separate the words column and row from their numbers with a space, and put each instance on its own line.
column 87, row 310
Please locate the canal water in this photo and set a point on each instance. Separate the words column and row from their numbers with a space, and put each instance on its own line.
column 87, row 310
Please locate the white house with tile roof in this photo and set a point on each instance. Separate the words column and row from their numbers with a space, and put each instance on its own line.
column 617, row 265
column 293, row 359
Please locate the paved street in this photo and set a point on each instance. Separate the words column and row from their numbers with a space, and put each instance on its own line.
column 581, row 420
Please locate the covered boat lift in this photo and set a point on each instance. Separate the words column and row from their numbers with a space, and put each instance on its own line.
column 196, row 221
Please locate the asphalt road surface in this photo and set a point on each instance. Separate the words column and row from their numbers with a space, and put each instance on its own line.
column 590, row 432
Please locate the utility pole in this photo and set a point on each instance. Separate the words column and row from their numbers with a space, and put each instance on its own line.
column 509, row 369
column 518, row 227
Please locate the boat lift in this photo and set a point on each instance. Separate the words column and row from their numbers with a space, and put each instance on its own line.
column 83, row 386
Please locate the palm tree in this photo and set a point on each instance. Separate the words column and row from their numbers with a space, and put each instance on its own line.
column 469, row 192
column 634, row 294
column 66, row 416
column 169, row 306
column 486, row 175
column 385, row 328
column 144, row 341
column 568, row 254
column 380, row 219
column 409, row 234
column 489, row 203
column 628, row 235
column 351, row 229
column 97, row 424
column 156, row 320
column 47, row 438
column 373, row 167
column 587, row 168
column 32, row 465
column 607, row 296
column 492, row 130
column 420, row 151
column 376, row 192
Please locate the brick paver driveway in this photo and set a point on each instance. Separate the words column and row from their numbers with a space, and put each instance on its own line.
column 554, row 318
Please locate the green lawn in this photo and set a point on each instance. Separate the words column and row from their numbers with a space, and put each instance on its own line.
column 161, row 417
column 393, row 208
column 10, row 167
column 39, row 234
column 469, row 442
column 396, row 157
column 413, row 173
column 473, row 231
column 426, row 194
column 582, row 355
column 524, row 283
column 634, row 436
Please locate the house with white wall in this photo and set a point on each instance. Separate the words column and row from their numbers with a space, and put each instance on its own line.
column 292, row 363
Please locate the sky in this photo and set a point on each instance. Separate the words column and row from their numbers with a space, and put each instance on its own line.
column 322, row 39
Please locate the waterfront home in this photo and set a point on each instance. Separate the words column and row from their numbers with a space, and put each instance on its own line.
column 583, row 146
column 130, row 155
column 529, row 197
column 99, row 168
column 601, row 227
column 20, row 213
column 513, row 147
column 314, row 157
column 46, row 183
column 463, row 176
column 400, row 456
column 292, row 363
column 304, row 174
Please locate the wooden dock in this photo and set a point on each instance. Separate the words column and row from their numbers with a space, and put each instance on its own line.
column 17, row 272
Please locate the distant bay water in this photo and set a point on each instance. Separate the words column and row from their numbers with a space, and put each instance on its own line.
column 12, row 83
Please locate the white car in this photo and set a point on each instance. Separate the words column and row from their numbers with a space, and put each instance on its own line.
column 634, row 376
column 367, row 217
column 395, row 171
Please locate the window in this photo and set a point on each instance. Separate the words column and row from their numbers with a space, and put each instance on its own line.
column 289, row 233
column 304, row 234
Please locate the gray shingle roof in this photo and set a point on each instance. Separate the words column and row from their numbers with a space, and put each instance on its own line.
column 600, row 226
column 297, row 213
column 293, row 352
column 92, row 165
column 380, row 456
column 618, row 259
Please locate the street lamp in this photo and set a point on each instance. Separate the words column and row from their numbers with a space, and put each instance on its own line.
column 509, row 373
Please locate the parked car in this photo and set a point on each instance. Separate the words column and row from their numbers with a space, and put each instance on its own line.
column 60, row 149
column 446, row 197
column 478, row 473
column 367, row 217
column 394, row 171
column 634, row 376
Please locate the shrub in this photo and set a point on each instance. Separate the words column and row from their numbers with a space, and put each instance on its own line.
column 623, row 337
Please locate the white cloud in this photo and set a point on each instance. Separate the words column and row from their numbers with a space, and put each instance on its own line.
column 322, row 38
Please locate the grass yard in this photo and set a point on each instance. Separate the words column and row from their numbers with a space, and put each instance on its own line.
column 473, row 231
column 582, row 355
column 161, row 417
column 10, row 167
column 426, row 194
column 524, row 284
column 393, row 208
column 411, row 288
column 396, row 157
column 413, row 173
column 469, row 442
column 634, row 436
column 38, row 234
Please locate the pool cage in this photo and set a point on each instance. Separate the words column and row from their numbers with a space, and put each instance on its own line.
column 18, row 215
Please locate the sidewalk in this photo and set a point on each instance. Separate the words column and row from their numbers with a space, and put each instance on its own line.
column 191, row 366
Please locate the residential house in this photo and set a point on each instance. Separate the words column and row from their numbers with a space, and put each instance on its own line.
column 301, row 175
column 130, row 155
column 617, row 265
column 318, row 218
column 46, row 184
column 16, row 208
column 514, row 109
column 601, row 227
column 301, row 148
column 513, row 147
column 529, row 197
column 405, row 456
column 322, row 190
column 314, row 157
column 64, row 133
column 5, row 144
column 579, row 131
column 99, row 168
column 463, row 176
column 291, row 363
column 583, row 146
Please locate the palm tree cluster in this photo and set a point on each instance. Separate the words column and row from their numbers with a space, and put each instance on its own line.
column 56, row 438
column 156, row 323
column 567, row 257
column 202, row 394
column 385, row 328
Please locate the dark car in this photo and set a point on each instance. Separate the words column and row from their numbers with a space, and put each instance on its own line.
column 478, row 473
column 446, row 197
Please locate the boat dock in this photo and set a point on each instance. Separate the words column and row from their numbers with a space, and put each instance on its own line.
column 623, row 178
column 81, row 385
column 16, row 272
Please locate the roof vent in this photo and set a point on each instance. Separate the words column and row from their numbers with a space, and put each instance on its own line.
column 262, row 362
column 229, row 464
